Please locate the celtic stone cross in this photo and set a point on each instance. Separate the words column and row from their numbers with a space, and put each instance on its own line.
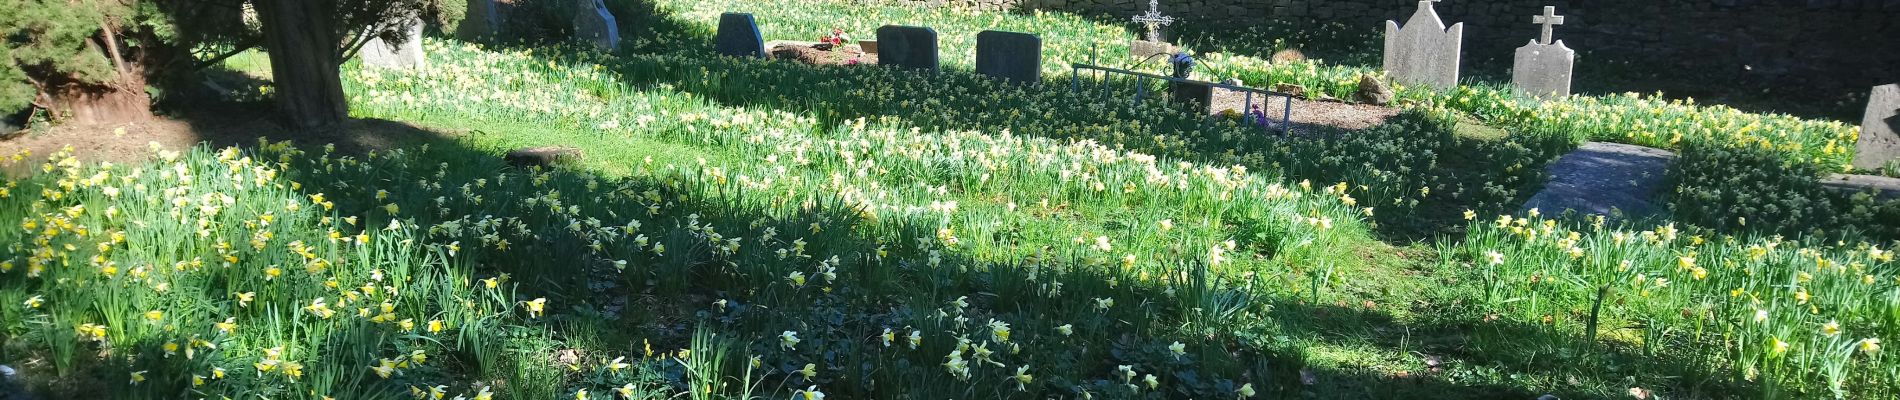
column 1154, row 20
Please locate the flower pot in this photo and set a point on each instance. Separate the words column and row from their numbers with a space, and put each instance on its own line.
column 869, row 46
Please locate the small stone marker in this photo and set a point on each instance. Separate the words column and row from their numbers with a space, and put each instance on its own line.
column 480, row 22
column 594, row 24
column 378, row 53
column 908, row 47
column 1880, row 129
column 1153, row 46
column 739, row 36
column 1542, row 68
column 1010, row 56
column 1424, row 52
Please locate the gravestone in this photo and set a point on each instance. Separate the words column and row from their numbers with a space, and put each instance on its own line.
column 1424, row 52
column 594, row 24
column 379, row 53
column 1010, row 56
column 1199, row 95
column 907, row 47
column 739, row 36
column 1879, row 141
column 1542, row 68
column 1152, row 45
column 480, row 22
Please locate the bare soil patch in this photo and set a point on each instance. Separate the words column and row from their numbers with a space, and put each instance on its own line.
column 815, row 53
column 1309, row 116
column 217, row 126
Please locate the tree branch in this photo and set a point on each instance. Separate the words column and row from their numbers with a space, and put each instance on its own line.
column 110, row 40
column 361, row 39
column 242, row 47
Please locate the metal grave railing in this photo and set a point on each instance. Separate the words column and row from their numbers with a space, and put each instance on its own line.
column 1141, row 81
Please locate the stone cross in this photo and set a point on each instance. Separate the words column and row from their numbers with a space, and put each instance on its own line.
column 1154, row 20
column 1542, row 67
column 1549, row 18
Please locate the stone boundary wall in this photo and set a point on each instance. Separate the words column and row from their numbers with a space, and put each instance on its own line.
column 1837, row 46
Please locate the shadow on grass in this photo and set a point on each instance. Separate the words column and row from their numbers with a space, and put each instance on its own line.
column 561, row 250
column 1467, row 359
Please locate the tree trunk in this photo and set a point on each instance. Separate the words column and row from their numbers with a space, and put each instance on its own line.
column 301, row 38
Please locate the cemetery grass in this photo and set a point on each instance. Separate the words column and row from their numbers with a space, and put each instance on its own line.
column 302, row 273
column 1372, row 328
column 939, row 227
column 1717, row 192
column 1456, row 294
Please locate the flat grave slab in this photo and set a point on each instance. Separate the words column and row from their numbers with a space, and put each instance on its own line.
column 1605, row 179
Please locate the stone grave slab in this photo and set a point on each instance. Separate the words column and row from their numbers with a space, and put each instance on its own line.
column 912, row 47
column 1879, row 129
column 1542, row 68
column 378, row 53
column 1604, row 179
column 1883, row 188
column 594, row 24
column 1424, row 52
column 1011, row 56
column 739, row 36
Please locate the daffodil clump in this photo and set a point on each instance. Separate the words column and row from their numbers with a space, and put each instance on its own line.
column 1789, row 318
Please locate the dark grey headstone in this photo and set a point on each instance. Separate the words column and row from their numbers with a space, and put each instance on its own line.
column 1195, row 94
column 1010, row 56
column 739, row 36
column 480, row 22
column 907, row 46
column 594, row 24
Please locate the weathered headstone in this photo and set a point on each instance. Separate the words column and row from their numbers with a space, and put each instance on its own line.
column 1542, row 68
column 480, row 22
column 1424, row 52
column 1153, row 45
column 1010, row 56
column 379, row 53
column 594, row 24
column 1143, row 50
column 908, row 47
column 1879, row 129
column 739, row 36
